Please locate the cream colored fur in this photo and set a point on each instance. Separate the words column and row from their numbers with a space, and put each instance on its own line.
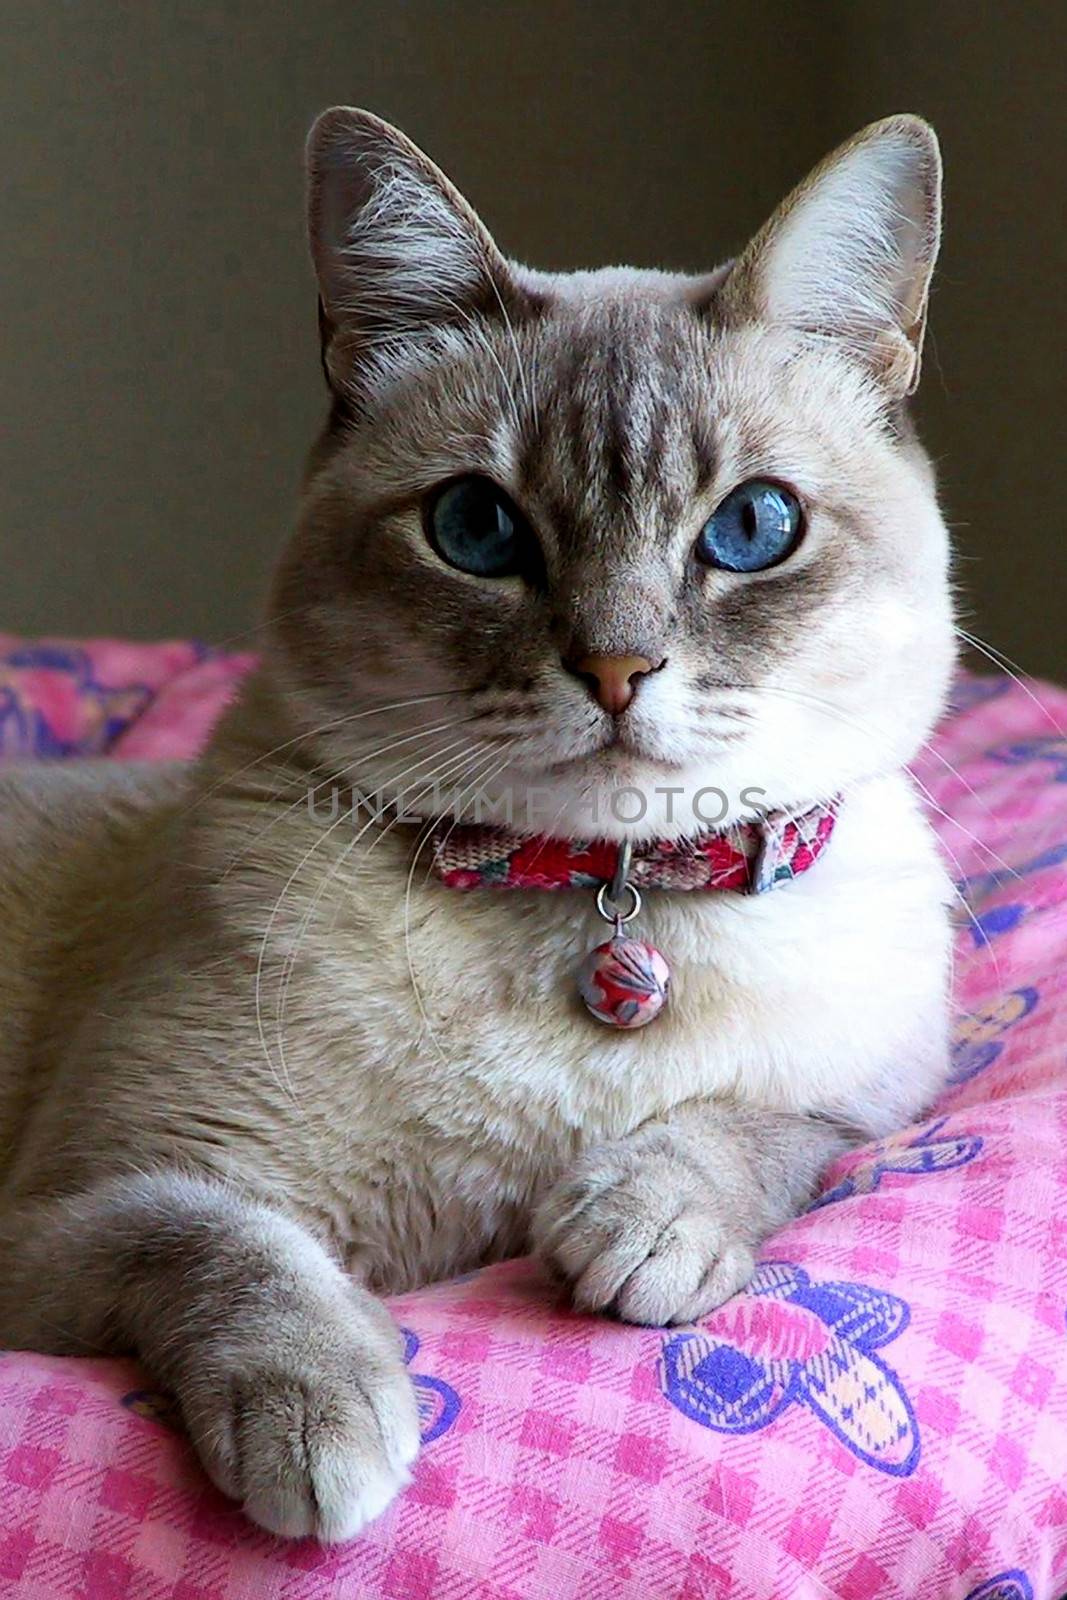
column 254, row 1069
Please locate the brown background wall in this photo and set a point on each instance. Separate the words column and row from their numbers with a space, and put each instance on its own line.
column 159, row 351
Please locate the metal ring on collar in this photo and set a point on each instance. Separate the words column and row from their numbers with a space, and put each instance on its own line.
column 605, row 896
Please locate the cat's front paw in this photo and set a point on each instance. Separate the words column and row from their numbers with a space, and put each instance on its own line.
column 311, row 1428
column 645, row 1229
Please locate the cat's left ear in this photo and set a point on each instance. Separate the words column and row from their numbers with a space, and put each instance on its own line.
column 397, row 250
column 849, row 255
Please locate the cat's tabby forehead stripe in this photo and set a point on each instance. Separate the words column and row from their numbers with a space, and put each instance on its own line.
column 611, row 427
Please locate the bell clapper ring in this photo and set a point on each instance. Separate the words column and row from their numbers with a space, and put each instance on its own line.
column 614, row 894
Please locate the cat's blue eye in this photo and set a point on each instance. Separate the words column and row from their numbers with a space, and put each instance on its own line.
column 474, row 526
column 756, row 526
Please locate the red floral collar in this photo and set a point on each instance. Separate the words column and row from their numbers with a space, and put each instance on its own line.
column 751, row 858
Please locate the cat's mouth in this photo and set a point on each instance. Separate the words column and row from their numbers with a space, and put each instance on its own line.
column 619, row 752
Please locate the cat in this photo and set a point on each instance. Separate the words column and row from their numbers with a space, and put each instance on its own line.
column 562, row 534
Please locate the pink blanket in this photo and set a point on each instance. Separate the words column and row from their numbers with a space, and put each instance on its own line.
column 883, row 1413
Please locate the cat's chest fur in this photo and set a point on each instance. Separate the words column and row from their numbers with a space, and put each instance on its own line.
column 408, row 1067
column 442, row 1070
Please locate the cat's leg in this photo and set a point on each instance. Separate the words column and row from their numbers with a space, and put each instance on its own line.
column 289, row 1376
column 663, row 1225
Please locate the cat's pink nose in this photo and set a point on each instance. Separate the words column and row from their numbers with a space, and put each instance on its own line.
column 612, row 679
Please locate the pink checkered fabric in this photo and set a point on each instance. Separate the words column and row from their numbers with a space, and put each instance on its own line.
column 882, row 1414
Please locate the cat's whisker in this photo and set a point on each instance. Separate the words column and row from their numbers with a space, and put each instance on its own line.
column 454, row 771
column 278, row 817
column 957, row 892
column 307, row 792
column 262, row 627
column 802, row 696
column 453, row 825
column 485, row 343
column 457, row 818
column 854, row 786
column 527, row 400
column 202, row 796
column 278, row 1072
column 947, row 816
column 456, row 764
column 305, row 922
column 1011, row 669
column 305, row 858
column 476, row 331
column 453, row 768
column 419, row 844
column 830, row 709
column 932, row 750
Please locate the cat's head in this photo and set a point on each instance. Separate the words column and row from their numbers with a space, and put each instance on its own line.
column 567, row 535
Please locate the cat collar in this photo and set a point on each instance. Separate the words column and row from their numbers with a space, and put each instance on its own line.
column 625, row 982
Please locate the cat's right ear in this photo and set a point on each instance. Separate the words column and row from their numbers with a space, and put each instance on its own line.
column 847, row 258
column 397, row 250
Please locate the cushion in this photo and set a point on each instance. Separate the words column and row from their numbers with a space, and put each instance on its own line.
column 882, row 1413
column 133, row 702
